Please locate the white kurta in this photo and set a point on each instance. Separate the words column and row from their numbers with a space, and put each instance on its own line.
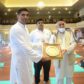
column 38, row 37
column 22, row 55
column 66, row 66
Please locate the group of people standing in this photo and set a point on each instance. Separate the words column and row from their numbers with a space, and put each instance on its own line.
column 27, row 48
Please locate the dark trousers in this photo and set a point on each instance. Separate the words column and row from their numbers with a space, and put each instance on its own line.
column 46, row 67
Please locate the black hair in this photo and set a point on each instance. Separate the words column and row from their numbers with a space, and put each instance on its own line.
column 40, row 19
column 22, row 9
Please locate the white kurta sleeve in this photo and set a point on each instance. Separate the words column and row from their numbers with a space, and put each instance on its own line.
column 21, row 41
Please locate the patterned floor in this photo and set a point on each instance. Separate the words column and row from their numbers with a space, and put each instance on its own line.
column 52, row 81
column 77, row 69
column 5, row 66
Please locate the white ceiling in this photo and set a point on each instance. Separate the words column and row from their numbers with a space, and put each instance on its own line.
column 33, row 3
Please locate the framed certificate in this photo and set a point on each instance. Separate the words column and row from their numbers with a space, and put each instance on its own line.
column 53, row 51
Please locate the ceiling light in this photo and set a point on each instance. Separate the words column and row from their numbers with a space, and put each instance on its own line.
column 9, row 10
column 59, row 12
column 5, row 13
column 69, row 12
column 38, row 12
column 41, row 4
column 54, row 9
column 66, row 9
column 16, row 13
column 49, row 16
column 48, row 12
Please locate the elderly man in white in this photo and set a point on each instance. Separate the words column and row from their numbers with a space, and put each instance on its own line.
column 22, row 52
column 64, row 67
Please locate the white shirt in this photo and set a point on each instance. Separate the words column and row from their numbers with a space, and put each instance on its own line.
column 38, row 37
